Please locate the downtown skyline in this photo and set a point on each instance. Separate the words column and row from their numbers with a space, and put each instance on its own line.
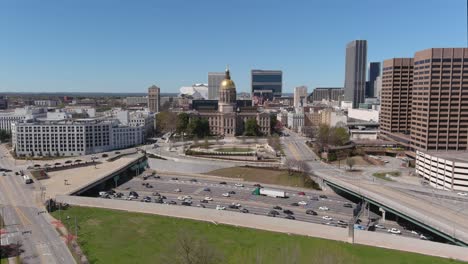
column 120, row 48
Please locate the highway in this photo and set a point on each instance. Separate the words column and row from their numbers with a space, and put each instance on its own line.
column 26, row 223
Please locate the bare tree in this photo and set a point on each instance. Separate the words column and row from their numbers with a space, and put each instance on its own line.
column 350, row 162
column 290, row 165
column 302, row 167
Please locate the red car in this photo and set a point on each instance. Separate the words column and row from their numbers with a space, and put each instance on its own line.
column 301, row 193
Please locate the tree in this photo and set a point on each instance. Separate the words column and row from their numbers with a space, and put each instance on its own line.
column 183, row 120
column 251, row 127
column 4, row 135
column 199, row 127
column 323, row 134
column 302, row 167
column 350, row 162
column 274, row 142
column 165, row 121
column 338, row 136
column 290, row 165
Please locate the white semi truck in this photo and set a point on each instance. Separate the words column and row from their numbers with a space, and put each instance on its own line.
column 270, row 192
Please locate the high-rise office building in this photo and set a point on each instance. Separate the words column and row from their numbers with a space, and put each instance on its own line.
column 154, row 98
column 300, row 96
column 266, row 84
column 439, row 117
column 395, row 103
column 214, row 81
column 378, row 87
column 355, row 73
column 374, row 72
column 328, row 94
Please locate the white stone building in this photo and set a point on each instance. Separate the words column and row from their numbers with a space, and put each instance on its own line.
column 369, row 115
column 19, row 114
column 296, row 121
column 46, row 103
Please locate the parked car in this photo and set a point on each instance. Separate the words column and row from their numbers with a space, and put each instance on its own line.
column 311, row 212
column 302, row 203
column 287, row 211
column 277, row 207
column 222, row 182
column 220, row 207
column 348, row 205
column 239, row 185
column 323, row 208
column 394, row 231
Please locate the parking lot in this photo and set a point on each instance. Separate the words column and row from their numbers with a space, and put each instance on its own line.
column 329, row 209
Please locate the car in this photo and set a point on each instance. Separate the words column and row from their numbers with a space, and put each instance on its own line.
column 147, row 199
column 193, row 180
column 220, row 207
column 257, row 185
column 174, row 178
column 277, row 207
column 287, row 211
column 274, row 212
column 233, row 206
column 323, row 196
column 232, row 192
column 203, row 201
column 311, row 212
column 462, row 193
column 223, row 182
column 302, row 203
column 379, row 226
column 323, row 208
column 16, row 173
column 326, row 217
column 158, row 200
column 301, row 193
column 102, row 193
column 186, row 203
column 186, row 197
column 386, row 161
column 358, row 221
column 239, row 185
column 177, row 190
column 271, row 215
column 314, row 198
column 206, row 189
column 149, row 186
column 201, row 205
column 172, row 202
column 290, row 217
column 156, row 194
column 226, row 194
column 244, row 210
column 423, row 237
column 394, row 231
column 414, row 232
column 348, row 205
column 207, row 198
column 117, row 152
column 341, row 222
column 294, row 204
column 118, row 195
column 133, row 193
column 163, row 197
column 180, row 198
column 329, row 223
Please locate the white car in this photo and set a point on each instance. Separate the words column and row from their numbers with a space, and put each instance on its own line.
column 220, row 207
column 302, row 203
column 180, row 198
column 177, row 190
column 423, row 237
column 208, row 198
column 379, row 226
column 327, row 218
column 226, row 195
column 239, row 185
column 102, row 193
column 187, row 197
column 394, row 231
column 462, row 194
column 414, row 232
column 324, row 208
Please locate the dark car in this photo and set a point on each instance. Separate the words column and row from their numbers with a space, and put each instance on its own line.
column 206, row 189
column 222, row 183
column 175, row 179
column 203, row 201
column 257, row 185
column 163, row 197
column 289, row 217
column 311, row 212
column 348, row 205
column 341, row 222
column 155, row 194
column 232, row 192
column 277, row 207
column 193, row 180
column 274, row 212
column 158, row 200
column 185, row 203
column 271, row 215
column 294, row 204
column 157, row 177
column 134, row 193
column 171, row 202
column 314, row 198
column 244, row 210
column 149, row 186
column 287, row 211
column 233, row 206
column 323, row 196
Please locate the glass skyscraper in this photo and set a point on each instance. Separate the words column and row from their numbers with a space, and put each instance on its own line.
column 266, row 84
column 355, row 74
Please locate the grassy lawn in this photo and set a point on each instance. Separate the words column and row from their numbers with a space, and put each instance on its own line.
column 268, row 176
column 109, row 236
column 382, row 175
column 233, row 149
column 3, row 261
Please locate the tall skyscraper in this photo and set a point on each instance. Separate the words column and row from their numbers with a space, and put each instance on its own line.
column 214, row 81
column 439, row 117
column 374, row 72
column 300, row 96
column 266, row 84
column 154, row 98
column 355, row 73
column 395, row 103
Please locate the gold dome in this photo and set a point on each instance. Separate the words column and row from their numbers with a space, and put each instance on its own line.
column 227, row 83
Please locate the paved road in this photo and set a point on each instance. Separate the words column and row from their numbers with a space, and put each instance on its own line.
column 25, row 222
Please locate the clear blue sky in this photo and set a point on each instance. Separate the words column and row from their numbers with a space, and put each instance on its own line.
column 126, row 46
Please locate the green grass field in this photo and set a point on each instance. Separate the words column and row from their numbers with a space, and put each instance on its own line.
column 3, row 261
column 109, row 236
column 268, row 176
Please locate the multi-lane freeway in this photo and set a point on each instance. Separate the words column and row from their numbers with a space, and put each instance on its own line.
column 26, row 223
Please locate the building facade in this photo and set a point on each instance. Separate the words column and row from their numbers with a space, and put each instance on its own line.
column 19, row 114
column 300, row 96
column 296, row 121
column 355, row 72
column 46, row 103
column 214, row 81
column 136, row 100
column 374, row 72
column 396, row 99
column 326, row 93
column 266, row 84
column 229, row 120
column 154, row 98
column 439, row 114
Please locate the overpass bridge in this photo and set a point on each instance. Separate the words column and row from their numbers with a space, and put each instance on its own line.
column 441, row 221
